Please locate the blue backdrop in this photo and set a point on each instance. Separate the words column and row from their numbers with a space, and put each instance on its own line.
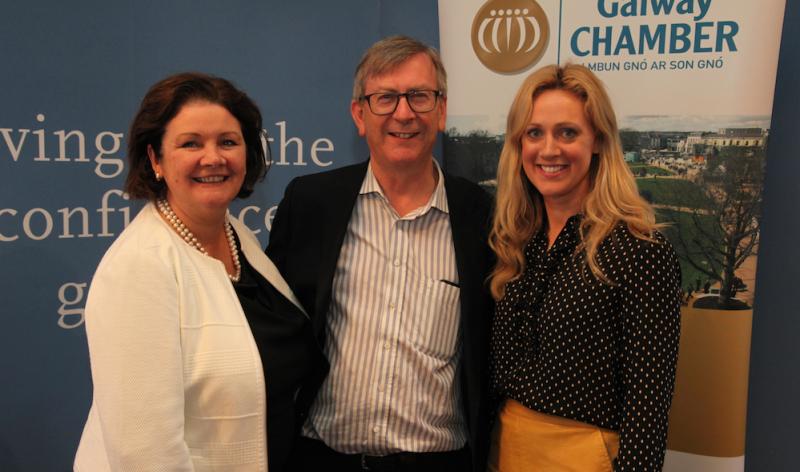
column 72, row 70
column 73, row 76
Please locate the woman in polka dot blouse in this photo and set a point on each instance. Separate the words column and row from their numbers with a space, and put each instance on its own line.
column 585, row 336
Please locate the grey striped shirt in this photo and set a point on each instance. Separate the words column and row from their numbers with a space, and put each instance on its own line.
column 392, row 332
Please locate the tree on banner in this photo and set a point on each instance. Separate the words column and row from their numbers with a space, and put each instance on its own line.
column 725, row 227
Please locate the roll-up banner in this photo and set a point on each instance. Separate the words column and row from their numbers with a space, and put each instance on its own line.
column 692, row 84
column 73, row 74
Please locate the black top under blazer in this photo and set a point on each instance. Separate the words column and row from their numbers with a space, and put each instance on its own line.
column 305, row 241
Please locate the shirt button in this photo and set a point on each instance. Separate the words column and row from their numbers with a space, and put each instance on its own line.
column 391, row 306
column 396, row 262
column 376, row 429
column 387, row 345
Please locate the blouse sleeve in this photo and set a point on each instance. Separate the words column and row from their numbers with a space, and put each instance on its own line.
column 650, row 314
column 133, row 331
column 511, row 331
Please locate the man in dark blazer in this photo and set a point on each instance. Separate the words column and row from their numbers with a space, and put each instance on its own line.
column 390, row 258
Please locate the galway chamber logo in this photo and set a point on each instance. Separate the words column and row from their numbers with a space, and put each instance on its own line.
column 510, row 35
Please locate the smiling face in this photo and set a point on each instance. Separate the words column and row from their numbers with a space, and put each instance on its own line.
column 202, row 160
column 404, row 137
column 557, row 148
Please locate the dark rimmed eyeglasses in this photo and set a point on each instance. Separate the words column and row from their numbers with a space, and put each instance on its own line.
column 385, row 103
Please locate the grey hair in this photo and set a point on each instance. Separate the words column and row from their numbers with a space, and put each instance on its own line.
column 389, row 53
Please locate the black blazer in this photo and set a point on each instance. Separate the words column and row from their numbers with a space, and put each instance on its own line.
column 305, row 240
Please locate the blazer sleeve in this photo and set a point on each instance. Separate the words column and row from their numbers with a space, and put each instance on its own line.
column 133, row 331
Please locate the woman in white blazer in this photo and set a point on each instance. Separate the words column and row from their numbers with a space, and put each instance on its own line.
column 185, row 313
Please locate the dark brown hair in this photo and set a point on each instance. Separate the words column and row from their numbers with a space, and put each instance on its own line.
column 160, row 105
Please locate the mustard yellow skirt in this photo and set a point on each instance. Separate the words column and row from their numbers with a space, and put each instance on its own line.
column 524, row 440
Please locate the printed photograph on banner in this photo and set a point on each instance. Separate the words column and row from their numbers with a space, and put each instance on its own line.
column 692, row 85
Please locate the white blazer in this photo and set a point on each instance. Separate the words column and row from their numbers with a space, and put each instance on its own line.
column 178, row 381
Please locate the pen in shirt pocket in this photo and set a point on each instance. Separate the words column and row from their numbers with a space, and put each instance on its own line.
column 448, row 282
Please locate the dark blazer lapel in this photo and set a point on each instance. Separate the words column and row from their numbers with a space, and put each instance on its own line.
column 336, row 217
column 463, row 227
column 465, row 230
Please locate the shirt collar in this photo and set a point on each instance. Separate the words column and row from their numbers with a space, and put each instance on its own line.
column 438, row 199
column 565, row 242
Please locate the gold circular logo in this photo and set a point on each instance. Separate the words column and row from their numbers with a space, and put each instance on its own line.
column 510, row 35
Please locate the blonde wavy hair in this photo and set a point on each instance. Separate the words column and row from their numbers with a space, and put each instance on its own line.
column 613, row 196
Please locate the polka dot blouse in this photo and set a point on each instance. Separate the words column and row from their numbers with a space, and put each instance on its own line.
column 565, row 344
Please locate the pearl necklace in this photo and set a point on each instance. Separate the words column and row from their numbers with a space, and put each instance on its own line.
column 191, row 240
